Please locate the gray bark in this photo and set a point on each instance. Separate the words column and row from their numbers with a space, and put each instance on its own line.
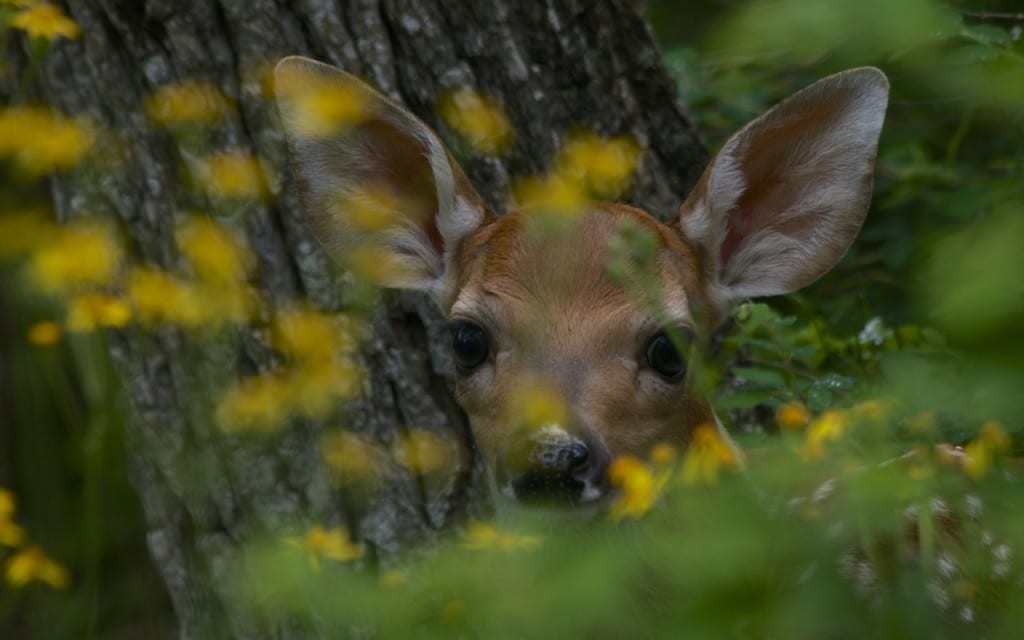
column 553, row 64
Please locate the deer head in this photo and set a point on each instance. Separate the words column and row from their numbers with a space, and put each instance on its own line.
column 775, row 209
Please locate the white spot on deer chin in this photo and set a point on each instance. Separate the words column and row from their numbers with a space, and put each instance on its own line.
column 590, row 492
column 551, row 431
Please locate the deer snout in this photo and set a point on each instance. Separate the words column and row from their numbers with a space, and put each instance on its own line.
column 552, row 466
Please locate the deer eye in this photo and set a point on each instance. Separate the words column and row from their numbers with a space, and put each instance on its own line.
column 469, row 345
column 663, row 355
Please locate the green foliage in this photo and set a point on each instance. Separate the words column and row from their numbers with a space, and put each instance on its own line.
column 853, row 517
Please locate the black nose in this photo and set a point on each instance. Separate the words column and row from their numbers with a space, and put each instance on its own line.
column 561, row 470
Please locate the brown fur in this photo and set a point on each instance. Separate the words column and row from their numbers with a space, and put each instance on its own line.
column 556, row 314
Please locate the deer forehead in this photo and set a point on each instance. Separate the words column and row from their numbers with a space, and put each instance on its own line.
column 553, row 290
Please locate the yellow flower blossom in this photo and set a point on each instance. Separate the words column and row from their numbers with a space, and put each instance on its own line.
column 11, row 535
column 371, row 208
column 7, row 504
column 40, row 140
column 218, row 255
column 90, row 311
column 663, row 455
column 45, row 20
column 315, row 388
column 872, row 410
column 453, row 609
column 638, row 486
column 604, row 166
column 43, row 334
column 424, row 452
column 187, row 102
column 259, row 403
column 393, row 579
column 22, row 233
column 231, row 174
column 534, row 404
column 991, row 443
column 554, row 193
column 330, row 544
column 478, row 118
column 159, row 297
column 351, row 456
column 32, row 564
column 708, row 453
column 264, row 403
column 312, row 336
column 792, row 415
column 484, row 536
column 319, row 106
column 80, row 254
column 376, row 263
column 828, row 427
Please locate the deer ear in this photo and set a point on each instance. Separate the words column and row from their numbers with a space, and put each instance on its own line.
column 784, row 198
column 374, row 177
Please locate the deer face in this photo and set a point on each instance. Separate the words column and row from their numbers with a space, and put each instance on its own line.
column 538, row 314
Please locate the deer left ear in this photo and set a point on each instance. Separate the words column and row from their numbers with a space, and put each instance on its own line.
column 373, row 176
column 784, row 198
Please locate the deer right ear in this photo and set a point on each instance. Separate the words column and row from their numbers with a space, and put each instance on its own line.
column 785, row 196
column 374, row 178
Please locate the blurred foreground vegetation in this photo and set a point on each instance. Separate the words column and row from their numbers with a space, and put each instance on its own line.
column 881, row 409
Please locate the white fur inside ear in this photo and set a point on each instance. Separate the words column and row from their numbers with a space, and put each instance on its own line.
column 343, row 172
column 787, row 194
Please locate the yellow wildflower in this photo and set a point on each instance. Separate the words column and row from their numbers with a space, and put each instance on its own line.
column 393, row 579
column 991, row 443
column 478, row 118
column 45, row 20
column 90, row 311
column 43, row 334
column 331, row 544
column 484, row 536
column 319, row 106
column 872, row 410
column 663, row 455
column 377, row 263
column 534, row 403
column 371, row 208
column 828, row 427
column 217, row 254
column 80, row 254
column 160, row 297
column 350, row 455
column 260, row 403
column 311, row 336
column 638, row 486
column 232, row 174
column 453, row 609
column 11, row 534
column 314, row 388
column 707, row 454
column 424, row 452
column 40, row 141
column 792, row 415
column 554, row 193
column 6, row 504
column 187, row 102
column 32, row 564
column 604, row 166
column 22, row 233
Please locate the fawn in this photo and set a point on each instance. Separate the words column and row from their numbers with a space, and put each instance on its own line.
column 776, row 208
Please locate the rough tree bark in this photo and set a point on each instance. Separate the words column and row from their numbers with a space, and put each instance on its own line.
column 554, row 64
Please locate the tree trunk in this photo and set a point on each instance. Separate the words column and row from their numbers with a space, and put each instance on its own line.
column 553, row 64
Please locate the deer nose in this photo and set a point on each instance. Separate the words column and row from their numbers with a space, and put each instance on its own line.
column 552, row 467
